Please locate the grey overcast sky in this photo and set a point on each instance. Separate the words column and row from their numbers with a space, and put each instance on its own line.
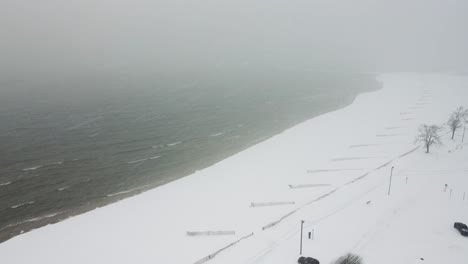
column 50, row 37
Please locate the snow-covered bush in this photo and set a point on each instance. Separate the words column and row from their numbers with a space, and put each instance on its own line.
column 349, row 259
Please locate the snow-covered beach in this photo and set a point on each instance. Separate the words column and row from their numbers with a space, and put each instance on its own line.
column 331, row 171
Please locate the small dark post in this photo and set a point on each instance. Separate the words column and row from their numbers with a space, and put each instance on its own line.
column 390, row 183
column 311, row 234
column 406, row 180
column 302, row 227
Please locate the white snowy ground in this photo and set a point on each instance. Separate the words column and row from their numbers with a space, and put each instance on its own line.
column 358, row 216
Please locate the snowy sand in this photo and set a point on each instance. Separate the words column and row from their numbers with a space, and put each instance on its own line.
column 343, row 159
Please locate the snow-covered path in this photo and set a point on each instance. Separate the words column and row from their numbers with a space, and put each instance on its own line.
column 334, row 164
column 414, row 222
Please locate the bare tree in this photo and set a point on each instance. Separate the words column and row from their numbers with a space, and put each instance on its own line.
column 457, row 118
column 428, row 135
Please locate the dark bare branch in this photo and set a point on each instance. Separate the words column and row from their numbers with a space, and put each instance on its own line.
column 428, row 135
column 457, row 118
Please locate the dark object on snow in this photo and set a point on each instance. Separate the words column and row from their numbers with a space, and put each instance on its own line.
column 462, row 228
column 349, row 259
column 459, row 225
column 304, row 260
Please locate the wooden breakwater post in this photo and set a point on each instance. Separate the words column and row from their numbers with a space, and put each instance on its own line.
column 263, row 204
column 312, row 185
column 211, row 233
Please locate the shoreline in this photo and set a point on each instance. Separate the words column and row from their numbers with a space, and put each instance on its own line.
column 219, row 197
column 12, row 230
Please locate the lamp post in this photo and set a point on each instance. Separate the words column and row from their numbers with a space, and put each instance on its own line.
column 302, row 226
column 463, row 137
column 390, row 183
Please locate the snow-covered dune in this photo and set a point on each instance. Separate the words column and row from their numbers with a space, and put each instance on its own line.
column 331, row 171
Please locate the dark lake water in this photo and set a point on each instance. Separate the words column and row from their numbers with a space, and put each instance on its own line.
column 71, row 145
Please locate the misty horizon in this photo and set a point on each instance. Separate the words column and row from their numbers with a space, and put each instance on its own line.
column 52, row 38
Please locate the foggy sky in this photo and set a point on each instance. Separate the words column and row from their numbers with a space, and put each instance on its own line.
column 53, row 37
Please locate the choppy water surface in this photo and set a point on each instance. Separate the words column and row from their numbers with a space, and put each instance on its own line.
column 72, row 145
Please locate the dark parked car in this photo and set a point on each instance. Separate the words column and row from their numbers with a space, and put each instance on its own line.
column 304, row 260
column 462, row 228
